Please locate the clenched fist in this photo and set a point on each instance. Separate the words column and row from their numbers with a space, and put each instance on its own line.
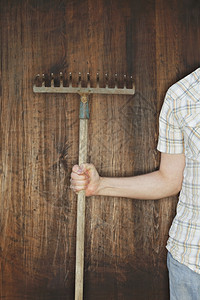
column 85, row 177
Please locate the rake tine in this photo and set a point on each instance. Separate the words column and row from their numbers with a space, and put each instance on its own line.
column 88, row 80
column 132, row 85
column 52, row 80
column 61, row 79
column 97, row 81
column 115, row 80
column 36, row 81
column 43, row 80
column 70, row 79
column 79, row 79
column 125, row 82
column 106, row 76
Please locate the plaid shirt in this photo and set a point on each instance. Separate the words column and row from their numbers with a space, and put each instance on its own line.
column 179, row 132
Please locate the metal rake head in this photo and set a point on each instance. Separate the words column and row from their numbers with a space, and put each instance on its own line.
column 59, row 84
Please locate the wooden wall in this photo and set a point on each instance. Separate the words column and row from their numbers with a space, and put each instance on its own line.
column 156, row 41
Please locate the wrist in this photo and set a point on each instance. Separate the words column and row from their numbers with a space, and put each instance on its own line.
column 100, row 186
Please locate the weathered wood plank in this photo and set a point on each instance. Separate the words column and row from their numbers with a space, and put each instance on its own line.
column 156, row 42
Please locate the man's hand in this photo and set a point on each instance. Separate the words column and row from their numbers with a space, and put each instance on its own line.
column 85, row 177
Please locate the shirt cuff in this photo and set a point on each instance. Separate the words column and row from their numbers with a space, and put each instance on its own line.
column 166, row 147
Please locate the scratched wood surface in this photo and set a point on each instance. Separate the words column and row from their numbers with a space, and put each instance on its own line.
column 157, row 42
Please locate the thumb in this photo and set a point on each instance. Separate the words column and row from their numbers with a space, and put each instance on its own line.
column 88, row 169
column 77, row 169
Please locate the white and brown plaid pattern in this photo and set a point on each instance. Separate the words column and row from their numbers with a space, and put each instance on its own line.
column 179, row 132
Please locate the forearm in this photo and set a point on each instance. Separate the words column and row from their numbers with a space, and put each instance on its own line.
column 149, row 186
column 165, row 182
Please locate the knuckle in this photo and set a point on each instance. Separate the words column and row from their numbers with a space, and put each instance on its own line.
column 74, row 168
column 72, row 175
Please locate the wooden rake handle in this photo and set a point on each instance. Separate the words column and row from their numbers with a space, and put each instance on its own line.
column 80, row 227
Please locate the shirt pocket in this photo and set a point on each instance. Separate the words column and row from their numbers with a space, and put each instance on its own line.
column 192, row 136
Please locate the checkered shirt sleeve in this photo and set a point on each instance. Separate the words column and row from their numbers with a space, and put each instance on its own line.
column 170, row 135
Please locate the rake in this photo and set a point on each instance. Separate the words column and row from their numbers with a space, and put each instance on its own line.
column 41, row 86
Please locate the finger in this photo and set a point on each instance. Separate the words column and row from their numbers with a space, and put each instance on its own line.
column 77, row 189
column 76, row 176
column 82, row 183
column 77, row 169
column 86, row 167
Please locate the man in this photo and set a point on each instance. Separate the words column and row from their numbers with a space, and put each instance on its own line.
column 179, row 144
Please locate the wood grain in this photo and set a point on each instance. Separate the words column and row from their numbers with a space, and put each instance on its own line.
column 125, row 258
